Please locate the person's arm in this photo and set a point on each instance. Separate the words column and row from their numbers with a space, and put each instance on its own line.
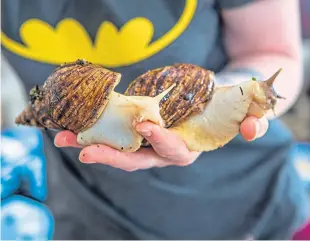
column 264, row 35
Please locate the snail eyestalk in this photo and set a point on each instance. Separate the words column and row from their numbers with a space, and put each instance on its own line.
column 273, row 78
column 280, row 97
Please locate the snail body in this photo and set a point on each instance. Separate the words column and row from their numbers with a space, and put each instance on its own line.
column 183, row 98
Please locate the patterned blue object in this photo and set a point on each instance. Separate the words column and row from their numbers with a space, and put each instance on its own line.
column 301, row 157
column 23, row 160
column 25, row 219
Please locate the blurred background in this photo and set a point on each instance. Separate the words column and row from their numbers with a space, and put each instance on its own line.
column 14, row 99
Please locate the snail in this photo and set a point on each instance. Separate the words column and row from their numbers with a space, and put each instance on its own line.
column 79, row 96
column 204, row 115
column 183, row 98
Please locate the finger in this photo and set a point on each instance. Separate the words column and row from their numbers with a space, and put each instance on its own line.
column 164, row 142
column 66, row 139
column 129, row 161
column 252, row 128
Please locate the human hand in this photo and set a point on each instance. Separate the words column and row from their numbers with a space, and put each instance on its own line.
column 167, row 149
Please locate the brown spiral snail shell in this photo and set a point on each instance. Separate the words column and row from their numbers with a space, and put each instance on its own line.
column 80, row 97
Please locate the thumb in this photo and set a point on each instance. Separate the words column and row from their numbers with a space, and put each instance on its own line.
column 252, row 128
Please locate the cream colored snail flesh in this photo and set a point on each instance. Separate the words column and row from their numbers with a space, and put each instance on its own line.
column 80, row 97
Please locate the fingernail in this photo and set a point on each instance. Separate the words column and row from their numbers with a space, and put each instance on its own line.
column 145, row 133
column 257, row 129
column 56, row 144
column 88, row 162
column 82, row 159
column 64, row 140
